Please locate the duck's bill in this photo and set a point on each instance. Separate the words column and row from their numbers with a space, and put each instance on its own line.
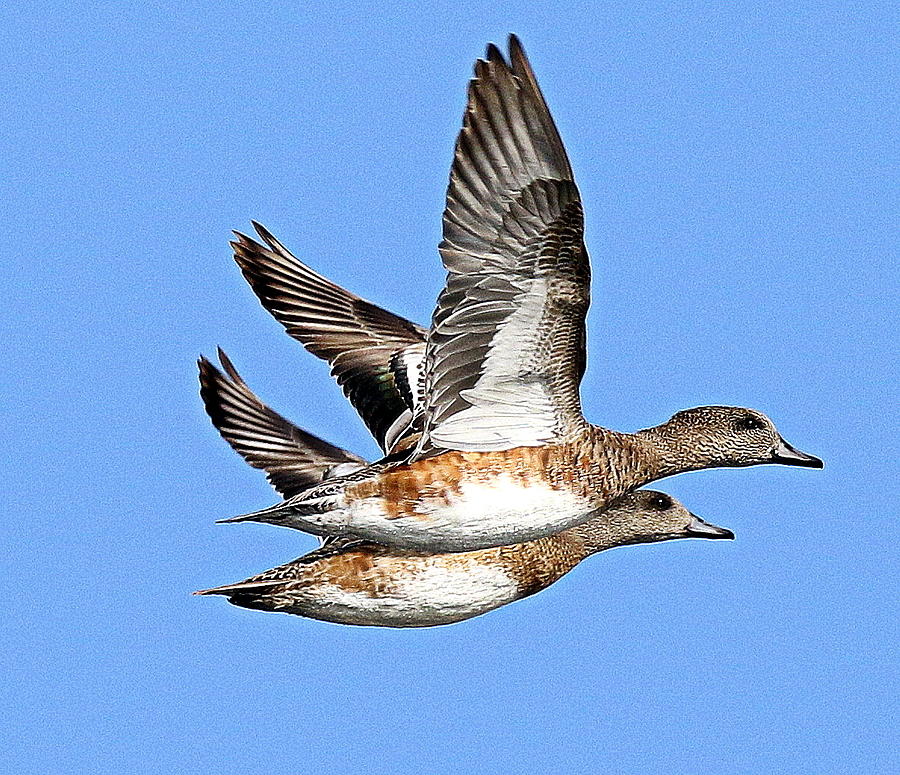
column 700, row 528
column 787, row 455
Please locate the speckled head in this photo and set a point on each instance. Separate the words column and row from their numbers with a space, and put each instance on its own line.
column 728, row 436
column 643, row 517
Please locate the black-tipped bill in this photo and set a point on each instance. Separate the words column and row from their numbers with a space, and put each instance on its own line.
column 787, row 455
column 700, row 528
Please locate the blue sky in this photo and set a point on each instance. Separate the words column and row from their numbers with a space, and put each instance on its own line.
column 739, row 170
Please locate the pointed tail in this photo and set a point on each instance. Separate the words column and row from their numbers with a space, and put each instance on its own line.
column 244, row 587
column 306, row 515
column 280, row 514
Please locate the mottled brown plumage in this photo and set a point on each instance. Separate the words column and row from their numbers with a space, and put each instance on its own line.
column 374, row 585
column 574, row 467
column 358, row 582
column 458, row 501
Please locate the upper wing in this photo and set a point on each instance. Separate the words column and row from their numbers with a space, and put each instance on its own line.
column 506, row 350
column 293, row 459
column 375, row 355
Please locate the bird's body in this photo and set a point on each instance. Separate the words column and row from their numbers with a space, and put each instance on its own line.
column 369, row 584
column 374, row 587
column 359, row 582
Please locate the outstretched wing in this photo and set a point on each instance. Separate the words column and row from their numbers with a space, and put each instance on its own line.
column 293, row 459
column 375, row 355
column 506, row 350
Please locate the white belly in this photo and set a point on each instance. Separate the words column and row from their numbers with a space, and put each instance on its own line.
column 436, row 592
column 482, row 515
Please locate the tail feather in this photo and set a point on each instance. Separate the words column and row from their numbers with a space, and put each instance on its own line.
column 240, row 518
column 246, row 587
column 287, row 514
column 274, row 515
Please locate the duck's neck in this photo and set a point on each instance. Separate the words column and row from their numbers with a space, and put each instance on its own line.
column 624, row 461
column 599, row 534
column 614, row 463
column 670, row 453
column 536, row 564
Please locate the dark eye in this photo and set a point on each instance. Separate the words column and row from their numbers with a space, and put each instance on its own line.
column 660, row 502
column 749, row 423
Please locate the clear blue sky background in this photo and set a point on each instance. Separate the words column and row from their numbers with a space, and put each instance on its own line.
column 739, row 166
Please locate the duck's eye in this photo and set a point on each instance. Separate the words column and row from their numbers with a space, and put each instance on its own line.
column 660, row 502
column 750, row 423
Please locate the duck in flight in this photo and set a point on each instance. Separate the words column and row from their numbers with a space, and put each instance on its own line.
column 362, row 583
column 502, row 452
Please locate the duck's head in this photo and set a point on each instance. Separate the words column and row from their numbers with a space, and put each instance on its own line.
column 729, row 436
column 643, row 517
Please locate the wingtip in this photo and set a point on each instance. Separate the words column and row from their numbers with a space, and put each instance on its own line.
column 207, row 374
column 263, row 232
column 229, row 367
column 245, row 250
column 244, row 244
column 518, row 59
column 493, row 54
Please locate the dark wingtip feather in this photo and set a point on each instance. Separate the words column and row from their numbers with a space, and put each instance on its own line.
column 230, row 368
column 210, row 380
column 292, row 458
column 332, row 324
column 263, row 232
column 494, row 54
column 516, row 49
column 208, row 372
column 243, row 242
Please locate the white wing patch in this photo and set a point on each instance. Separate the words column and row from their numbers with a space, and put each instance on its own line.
column 505, row 411
column 503, row 415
